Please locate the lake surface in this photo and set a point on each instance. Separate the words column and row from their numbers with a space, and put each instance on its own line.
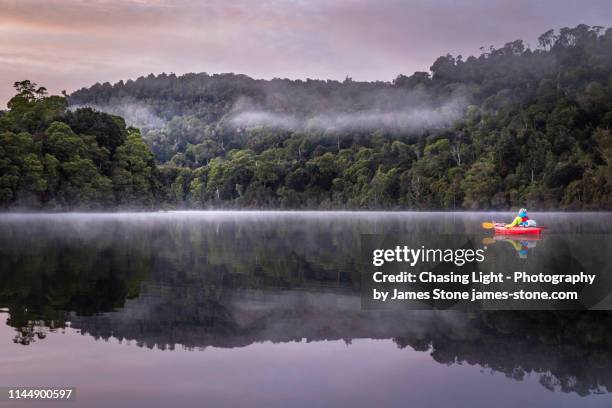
column 264, row 309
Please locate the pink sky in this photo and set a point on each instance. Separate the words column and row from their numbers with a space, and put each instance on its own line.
column 70, row 44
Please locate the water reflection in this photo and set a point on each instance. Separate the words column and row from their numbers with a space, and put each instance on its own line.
column 234, row 279
column 521, row 244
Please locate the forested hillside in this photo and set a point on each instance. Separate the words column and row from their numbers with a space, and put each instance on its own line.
column 512, row 127
column 56, row 158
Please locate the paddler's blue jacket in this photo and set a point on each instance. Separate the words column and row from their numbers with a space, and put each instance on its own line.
column 520, row 220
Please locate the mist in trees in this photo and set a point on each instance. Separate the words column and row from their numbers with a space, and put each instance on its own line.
column 511, row 127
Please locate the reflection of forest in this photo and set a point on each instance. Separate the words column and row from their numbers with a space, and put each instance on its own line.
column 201, row 283
column 571, row 351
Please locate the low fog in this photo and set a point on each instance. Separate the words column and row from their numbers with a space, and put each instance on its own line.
column 348, row 107
column 411, row 118
column 135, row 113
column 238, row 103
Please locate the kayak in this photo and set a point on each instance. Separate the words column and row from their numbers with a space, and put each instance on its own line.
column 500, row 230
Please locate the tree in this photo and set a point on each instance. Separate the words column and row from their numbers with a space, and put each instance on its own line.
column 480, row 184
column 110, row 131
column 133, row 173
column 58, row 167
column 63, row 143
column 82, row 185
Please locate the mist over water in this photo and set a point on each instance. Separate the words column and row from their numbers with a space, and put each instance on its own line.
column 272, row 299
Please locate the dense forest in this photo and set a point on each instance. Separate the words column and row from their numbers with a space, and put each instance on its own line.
column 58, row 158
column 511, row 127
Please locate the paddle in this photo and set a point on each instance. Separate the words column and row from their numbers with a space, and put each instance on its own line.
column 488, row 241
column 489, row 225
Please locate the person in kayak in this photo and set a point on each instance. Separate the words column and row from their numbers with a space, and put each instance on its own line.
column 521, row 220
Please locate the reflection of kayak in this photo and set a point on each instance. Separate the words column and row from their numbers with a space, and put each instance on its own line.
column 500, row 230
column 526, row 237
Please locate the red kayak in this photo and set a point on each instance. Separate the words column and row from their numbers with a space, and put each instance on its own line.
column 501, row 230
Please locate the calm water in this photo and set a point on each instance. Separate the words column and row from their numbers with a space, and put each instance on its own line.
column 264, row 309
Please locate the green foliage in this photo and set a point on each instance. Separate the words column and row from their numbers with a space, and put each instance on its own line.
column 63, row 143
column 134, row 175
column 480, row 184
column 31, row 110
column 21, row 171
column 533, row 129
column 56, row 167
column 109, row 130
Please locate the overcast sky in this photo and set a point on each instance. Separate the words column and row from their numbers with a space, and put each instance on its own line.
column 69, row 44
